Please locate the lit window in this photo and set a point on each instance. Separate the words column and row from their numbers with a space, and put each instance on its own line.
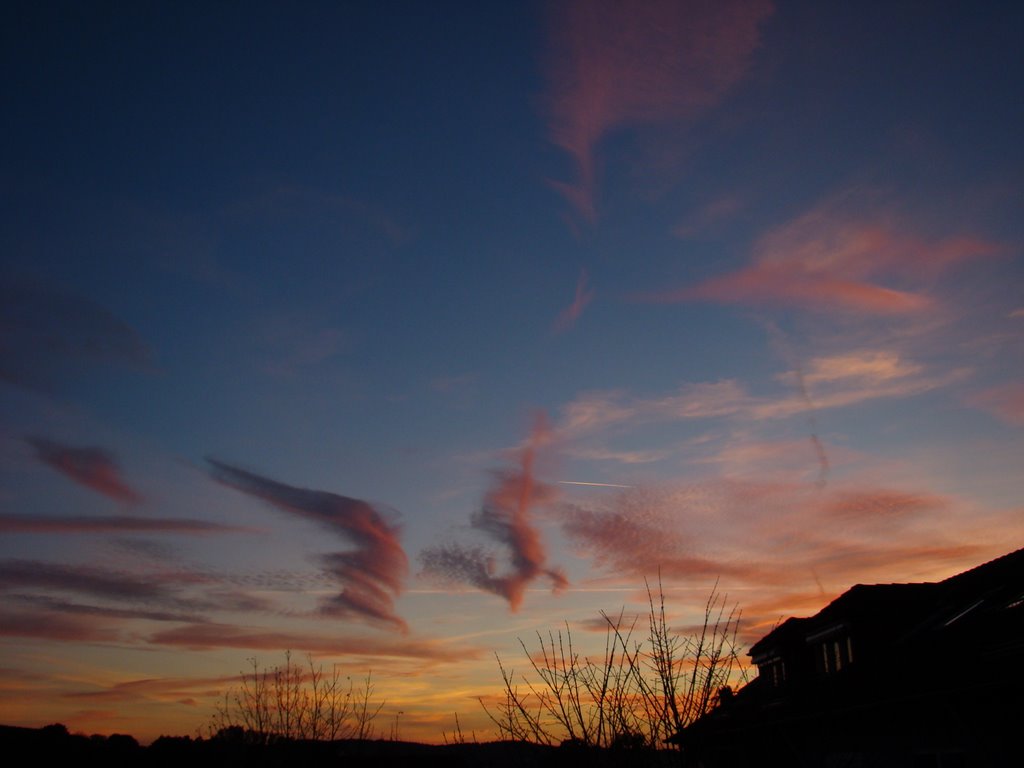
column 836, row 654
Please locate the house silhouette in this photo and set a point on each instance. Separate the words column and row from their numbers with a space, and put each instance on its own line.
column 925, row 675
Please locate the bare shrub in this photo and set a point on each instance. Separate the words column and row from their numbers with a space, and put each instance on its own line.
column 638, row 692
column 293, row 701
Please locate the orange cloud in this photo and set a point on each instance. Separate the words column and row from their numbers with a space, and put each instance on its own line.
column 776, row 538
column 795, row 460
column 372, row 575
column 613, row 65
column 883, row 504
column 834, row 258
column 172, row 690
column 505, row 517
column 838, row 381
column 867, row 366
column 782, row 284
column 625, row 542
column 207, row 636
column 45, row 625
column 91, row 467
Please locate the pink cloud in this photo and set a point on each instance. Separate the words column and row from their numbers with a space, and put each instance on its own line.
column 613, row 65
column 627, row 543
column 838, row 258
column 791, row 460
column 869, row 366
column 1006, row 402
column 506, row 517
column 372, row 574
column 595, row 411
column 91, row 467
column 777, row 284
column 51, row 626
column 112, row 524
column 774, row 542
column 567, row 317
column 882, row 503
column 599, row 453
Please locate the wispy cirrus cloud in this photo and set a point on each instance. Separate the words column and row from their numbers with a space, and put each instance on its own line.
column 839, row 257
column 599, row 453
column 164, row 689
column 89, row 466
column 13, row 523
column 79, row 579
column 849, row 394
column 68, row 608
column 594, row 411
column 1006, row 402
column 567, row 317
column 744, row 456
column 833, row 381
column 707, row 217
column 870, row 366
column 207, row 636
column 505, row 517
column 371, row 575
column 164, row 594
column 46, row 625
column 613, row 65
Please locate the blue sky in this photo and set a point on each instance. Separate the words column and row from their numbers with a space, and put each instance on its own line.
column 467, row 303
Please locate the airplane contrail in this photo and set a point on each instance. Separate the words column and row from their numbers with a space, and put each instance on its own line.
column 601, row 485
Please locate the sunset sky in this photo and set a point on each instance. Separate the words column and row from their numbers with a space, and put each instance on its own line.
column 393, row 332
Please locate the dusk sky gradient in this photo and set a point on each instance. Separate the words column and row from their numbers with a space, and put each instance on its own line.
column 393, row 332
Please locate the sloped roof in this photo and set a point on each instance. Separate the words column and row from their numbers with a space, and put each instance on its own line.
column 903, row 609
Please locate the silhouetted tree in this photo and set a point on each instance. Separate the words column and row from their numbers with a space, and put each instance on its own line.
column 639, row 693
column 291, row 701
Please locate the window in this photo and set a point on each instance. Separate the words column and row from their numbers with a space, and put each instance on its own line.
column 774, row 671
column 835, row 654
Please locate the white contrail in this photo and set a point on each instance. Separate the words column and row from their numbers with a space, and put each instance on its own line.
column 601, row 485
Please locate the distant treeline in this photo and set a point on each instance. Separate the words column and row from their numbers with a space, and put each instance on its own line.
column 234, row 748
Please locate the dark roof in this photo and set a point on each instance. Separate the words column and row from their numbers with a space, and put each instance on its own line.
column 905, row 609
